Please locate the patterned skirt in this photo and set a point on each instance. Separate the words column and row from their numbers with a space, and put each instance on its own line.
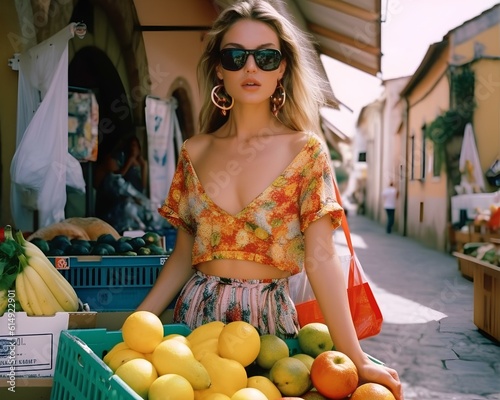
column 265, row 304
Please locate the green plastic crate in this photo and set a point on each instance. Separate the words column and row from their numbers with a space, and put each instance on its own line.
column 81, row 374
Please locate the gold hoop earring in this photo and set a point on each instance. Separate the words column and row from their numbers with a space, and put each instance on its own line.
column 278, row 99
column 220, row 98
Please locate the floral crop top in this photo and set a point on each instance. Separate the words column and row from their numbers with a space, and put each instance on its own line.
column 270, row 229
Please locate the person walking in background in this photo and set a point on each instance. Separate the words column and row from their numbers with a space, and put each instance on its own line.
column 253, row 195
column 390, row 195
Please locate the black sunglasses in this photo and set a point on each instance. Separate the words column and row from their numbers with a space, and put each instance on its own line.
column 235, row 59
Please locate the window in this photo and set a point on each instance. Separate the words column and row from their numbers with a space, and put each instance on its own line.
column 412, row 157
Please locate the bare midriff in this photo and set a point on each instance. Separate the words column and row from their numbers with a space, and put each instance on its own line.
column 241, row 269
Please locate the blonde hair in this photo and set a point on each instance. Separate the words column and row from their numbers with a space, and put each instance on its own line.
column 302, row 81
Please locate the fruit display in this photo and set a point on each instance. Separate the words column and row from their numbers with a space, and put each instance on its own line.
column 106, row 244
column 40, row 289
column 219, row 361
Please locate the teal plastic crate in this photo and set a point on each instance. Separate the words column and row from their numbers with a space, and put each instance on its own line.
column 110, row 283
column 81, row 374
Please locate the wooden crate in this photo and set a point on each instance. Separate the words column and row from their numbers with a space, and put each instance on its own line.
column 486, row 295
column 465, row 265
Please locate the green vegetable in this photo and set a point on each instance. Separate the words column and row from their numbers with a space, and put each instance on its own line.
column 77, row 250
column 10, row 266
column 60, row 242
column 106, row 238
column 144, row 251
column 152, row 238
column 103, row 249
column 156, row 250
column 137, row 243
column 122, row 247
column 42, row 244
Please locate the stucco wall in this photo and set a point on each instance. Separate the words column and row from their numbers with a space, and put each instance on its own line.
column 427, row 208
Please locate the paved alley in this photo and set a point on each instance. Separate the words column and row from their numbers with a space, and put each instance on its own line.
column 428, row 333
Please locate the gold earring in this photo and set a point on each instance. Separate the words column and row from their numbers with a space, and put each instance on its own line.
column 278, row 99
column 220, row 98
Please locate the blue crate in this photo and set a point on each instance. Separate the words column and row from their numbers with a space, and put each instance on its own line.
column 110, row 283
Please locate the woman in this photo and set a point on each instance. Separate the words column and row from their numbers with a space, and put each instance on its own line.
column 253, row 193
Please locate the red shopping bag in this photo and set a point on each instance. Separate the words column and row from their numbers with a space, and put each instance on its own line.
column 366, row 314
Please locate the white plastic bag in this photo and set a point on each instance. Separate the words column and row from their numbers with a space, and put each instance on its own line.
column 300, row 288
column 41, row 164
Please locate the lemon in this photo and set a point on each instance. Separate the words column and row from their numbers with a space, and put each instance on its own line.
column 217, row 396
column 314, row 338
column 177, row 336
column 265, row 385
column 290, row 376
column 208, row 346
column 139, row 374
column 305, row 358
column 227, row 376
column 175, row 357
column 272, row 348
column 239, row 341
column 114, row 349
column 120, row 357
column 142, row 331
column 249, row 394
column 171, row 387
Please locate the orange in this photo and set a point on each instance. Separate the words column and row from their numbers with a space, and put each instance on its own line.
column 142, row 331
column 372, row 391
column 334, row 374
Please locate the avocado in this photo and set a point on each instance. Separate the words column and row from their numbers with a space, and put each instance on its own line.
column 59, row 242
column 42, row 244
column 122, row 247
column 156, row 250
column 106, row 238
column 55, row 252
column 102, row 249
column 77, row 250
column 144, row 251
column 152, row 238
column 81, row 242
column 137, row 243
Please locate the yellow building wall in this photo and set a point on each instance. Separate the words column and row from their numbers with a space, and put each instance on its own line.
column 427, row 205
column 486, row 121
column 10, row 32
column 172, row 56
column 487, row 114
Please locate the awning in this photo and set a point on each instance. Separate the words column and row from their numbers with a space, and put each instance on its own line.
column 346, row 30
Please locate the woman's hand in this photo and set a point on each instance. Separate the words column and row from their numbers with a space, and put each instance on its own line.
column 371, row 372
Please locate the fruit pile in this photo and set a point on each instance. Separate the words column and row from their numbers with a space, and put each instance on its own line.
column 39, row 288
column 104, row 245
column 218, row 361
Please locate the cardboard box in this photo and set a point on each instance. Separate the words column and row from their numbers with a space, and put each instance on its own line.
column 40, row 388
column 28, row 351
